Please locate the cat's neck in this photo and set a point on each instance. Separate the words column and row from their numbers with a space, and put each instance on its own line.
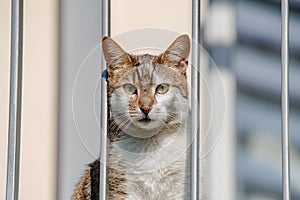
column 147, row 154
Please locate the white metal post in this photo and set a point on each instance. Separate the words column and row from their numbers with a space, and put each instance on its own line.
column 13, row 159
column 195, row 101
column 285, row 99
column 104, row 108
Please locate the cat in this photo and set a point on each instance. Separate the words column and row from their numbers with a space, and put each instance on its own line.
column 148, row 153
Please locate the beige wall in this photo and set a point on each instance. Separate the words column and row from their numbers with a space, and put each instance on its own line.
column 39, row 113
column 128, row 15
column 4, row 89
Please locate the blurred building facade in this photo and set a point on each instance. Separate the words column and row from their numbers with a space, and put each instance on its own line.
column 254, row 59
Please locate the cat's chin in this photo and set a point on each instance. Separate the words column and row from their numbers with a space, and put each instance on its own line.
column 145, row 128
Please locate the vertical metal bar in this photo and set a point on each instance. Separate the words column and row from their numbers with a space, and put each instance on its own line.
column 13, row 159
column 195, row 100
column 285, row 99
column 104, row 108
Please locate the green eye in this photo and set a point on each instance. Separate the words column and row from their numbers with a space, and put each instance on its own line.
column 129, row 89
column 162, row 88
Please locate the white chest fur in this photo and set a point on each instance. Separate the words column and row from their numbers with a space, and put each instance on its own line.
column 156, row 168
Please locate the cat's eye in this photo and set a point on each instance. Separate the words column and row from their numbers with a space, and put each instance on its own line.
column 129, row 88
column 162, row 88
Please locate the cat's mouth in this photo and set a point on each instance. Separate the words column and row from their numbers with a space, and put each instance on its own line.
column 145, row 120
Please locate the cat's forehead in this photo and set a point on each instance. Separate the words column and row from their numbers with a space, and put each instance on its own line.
column 144, row 58
column 147, row 71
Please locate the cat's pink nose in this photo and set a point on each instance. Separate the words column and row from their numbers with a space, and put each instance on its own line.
column 145, row 108
column 146, row 104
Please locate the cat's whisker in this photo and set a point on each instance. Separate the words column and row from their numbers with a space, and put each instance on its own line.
column 122, row 119
column 121, row 124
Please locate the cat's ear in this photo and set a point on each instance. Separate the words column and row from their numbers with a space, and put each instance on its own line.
column 177, row 53
column 113, row 52
column 117, row 60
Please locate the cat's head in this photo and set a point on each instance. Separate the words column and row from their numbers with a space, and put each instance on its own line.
column 148, row 93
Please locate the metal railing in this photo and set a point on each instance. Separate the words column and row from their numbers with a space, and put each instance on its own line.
column 285, row 99
column 195, row 102
column 13, row 158
column 15, row 101
column 104, row 107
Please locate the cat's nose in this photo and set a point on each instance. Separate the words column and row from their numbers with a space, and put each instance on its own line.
column 145, row 108
column 146, row 103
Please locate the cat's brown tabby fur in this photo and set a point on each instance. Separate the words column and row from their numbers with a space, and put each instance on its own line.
column 152, row 91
